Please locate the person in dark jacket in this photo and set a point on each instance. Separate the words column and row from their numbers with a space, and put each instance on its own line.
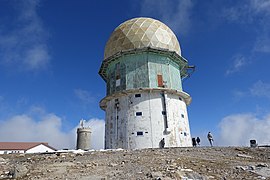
column 162, row 143
column 198, row 140
column 194, row 142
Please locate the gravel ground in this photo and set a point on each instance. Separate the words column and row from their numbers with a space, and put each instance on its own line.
column 169, row 163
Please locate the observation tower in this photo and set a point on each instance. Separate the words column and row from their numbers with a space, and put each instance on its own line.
column 143, row 70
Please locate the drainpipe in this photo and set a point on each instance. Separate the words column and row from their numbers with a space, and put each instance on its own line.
column 164, row 105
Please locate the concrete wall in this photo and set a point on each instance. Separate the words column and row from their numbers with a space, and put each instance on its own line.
column 140, row 122
column 11, row 151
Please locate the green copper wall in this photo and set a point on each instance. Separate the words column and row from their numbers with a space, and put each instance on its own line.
column 141, row 70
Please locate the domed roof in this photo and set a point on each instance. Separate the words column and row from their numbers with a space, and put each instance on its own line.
column 141, row 32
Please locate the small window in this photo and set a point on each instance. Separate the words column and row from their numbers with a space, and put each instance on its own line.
column 132, row 133
column 117, row 82
column 137, row 95
column 185, row 134
column 138, row 113
column 117, row 117
column 139, row 133
column 182, row 115
column 180, row 99
column 163, row 112
column 146, row 132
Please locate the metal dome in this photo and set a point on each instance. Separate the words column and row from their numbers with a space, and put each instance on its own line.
column 141, row 32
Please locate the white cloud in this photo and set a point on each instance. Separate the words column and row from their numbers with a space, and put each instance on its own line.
column 260, row 89
column 84, row 96
column 239, row 61
column 262, row 43
column 47, row 127
column 238, row 129
column 257, row 13
column 176, row 14
column 261, row 6
column 23, row 44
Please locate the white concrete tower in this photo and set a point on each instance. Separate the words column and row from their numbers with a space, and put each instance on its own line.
column 143, row 69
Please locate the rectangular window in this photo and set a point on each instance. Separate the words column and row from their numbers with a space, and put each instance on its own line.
column 117, row 82
column 139, row 133
column 138, row 113
column 182, row 115
column 160, row 80
column 185, row 134
column 137, row 95
column 117, row 71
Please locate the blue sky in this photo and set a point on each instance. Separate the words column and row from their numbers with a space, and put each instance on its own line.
column 51, row 51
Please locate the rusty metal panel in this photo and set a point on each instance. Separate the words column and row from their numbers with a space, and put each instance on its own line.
column 160, row 80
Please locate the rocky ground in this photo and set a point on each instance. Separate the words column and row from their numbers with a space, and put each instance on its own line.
column 169, row 163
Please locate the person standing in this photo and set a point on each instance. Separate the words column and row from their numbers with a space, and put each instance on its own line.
column 210, row 138
column 198, row 140
column 162, row 143
column 194, row 142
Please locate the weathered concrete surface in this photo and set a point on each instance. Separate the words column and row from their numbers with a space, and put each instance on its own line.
column 174, row 163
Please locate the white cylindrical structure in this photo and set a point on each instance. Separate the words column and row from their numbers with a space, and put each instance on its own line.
column 140, row 120
column 83, row 138
column 145, row 102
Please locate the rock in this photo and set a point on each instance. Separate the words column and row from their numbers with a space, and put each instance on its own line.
column 262, row 165
column 241, row 167
column 149, row 175
column 19, row 171
column 244, row 156
column 113, row 164
column 157, row 174
column 2, row 160
column 251, row 167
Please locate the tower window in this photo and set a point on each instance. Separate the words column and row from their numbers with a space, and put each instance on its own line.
column 137, row 95
column 138, row 113
column 185, row 134
column 117, row 82
column 139, row 133
column 182, row 115
column 163, row 112
column 180, row 99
